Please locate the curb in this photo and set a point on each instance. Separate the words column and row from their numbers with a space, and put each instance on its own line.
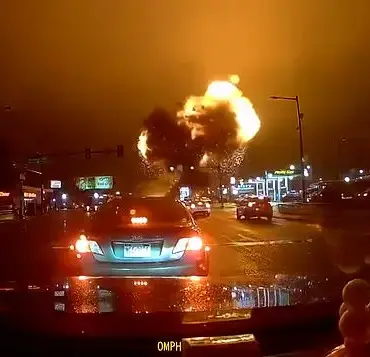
column 292, row 219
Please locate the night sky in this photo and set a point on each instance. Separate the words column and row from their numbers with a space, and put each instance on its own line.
column 80, row 73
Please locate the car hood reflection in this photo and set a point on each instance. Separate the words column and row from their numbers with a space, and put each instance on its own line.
column 226, row 299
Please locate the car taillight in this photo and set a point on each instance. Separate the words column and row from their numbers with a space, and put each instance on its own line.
column 139, row 220
column 195, row 243
column 84, row 245
column 192, row 243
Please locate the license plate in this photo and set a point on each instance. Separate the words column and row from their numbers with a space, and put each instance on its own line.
column 137, row 251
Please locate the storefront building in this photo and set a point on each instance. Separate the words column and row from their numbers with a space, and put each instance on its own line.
column 274, row 184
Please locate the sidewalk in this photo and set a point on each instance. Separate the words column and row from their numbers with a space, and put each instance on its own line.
column 289, row 217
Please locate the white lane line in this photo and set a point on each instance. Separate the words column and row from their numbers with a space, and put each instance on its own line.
column 248, row 238
column 227, row 238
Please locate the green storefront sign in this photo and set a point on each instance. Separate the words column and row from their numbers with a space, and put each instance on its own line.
column 94, row 183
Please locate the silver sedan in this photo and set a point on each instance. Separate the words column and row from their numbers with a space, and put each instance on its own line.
column 141, row 236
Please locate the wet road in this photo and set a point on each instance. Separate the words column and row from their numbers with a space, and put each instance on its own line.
column 238, row 248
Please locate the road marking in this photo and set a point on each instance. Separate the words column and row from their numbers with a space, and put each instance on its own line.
column 247, row 238
column 270, row 242
column 227, row 237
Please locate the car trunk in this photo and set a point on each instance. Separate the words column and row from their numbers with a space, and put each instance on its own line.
column 146, row 244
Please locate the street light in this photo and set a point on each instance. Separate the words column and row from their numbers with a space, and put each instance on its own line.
column 301, row 151
column 64, row 196
column 291, row 167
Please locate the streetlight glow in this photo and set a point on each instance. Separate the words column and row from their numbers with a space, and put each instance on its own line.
column 291, row 167
column 64, row 196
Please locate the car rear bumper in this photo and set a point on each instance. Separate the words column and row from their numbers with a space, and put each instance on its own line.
column 205, row 211
column 254, row 213
column 191, row 264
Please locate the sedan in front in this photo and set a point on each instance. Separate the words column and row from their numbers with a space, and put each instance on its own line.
column 199, row 208
column 254, row 207
column 141, row 236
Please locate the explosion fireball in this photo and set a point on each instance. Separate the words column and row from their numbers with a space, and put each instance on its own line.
column 220, row 122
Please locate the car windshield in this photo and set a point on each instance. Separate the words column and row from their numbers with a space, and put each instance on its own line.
column 184, row 143
column 156, row 211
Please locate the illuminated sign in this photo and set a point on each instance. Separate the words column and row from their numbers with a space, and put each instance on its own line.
column 285, row 173
column 4, row 194
column 29, row 194
column 184, row 192
column 103, row 182
column 247, row 186
column 94, row 183
column 55, row 184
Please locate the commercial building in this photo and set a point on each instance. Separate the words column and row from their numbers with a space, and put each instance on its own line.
column 274, row 184
column 21, row 192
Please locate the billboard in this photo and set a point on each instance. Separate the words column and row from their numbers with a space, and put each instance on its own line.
column 55, row 184
column 94, row 183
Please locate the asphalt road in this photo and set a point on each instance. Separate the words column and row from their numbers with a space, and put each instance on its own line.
column 238, row 248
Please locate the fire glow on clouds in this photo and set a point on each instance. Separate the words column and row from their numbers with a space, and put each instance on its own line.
column 218, row 94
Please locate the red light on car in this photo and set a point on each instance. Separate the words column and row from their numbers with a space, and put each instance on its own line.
column 139, row 220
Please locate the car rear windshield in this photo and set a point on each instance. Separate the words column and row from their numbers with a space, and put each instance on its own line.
column 157, row 211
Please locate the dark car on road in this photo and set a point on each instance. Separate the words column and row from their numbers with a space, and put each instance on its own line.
column 198, row 207
column 254, row 207
column 142, row 236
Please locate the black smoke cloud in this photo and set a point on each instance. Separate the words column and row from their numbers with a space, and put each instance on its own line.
column 170, row 139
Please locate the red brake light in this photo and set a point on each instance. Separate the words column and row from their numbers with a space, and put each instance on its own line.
column 195, row 243
column 192, row 243
column 82, row 244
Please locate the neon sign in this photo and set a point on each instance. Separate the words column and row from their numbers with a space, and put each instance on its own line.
column 284, row 172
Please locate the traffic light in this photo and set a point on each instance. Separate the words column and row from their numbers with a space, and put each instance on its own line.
column 88, row 153
column 119, row 150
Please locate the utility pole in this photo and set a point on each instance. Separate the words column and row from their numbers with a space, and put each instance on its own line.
column 220, row 184
column 21, row 196
column 42, row 187
column 301, row 150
